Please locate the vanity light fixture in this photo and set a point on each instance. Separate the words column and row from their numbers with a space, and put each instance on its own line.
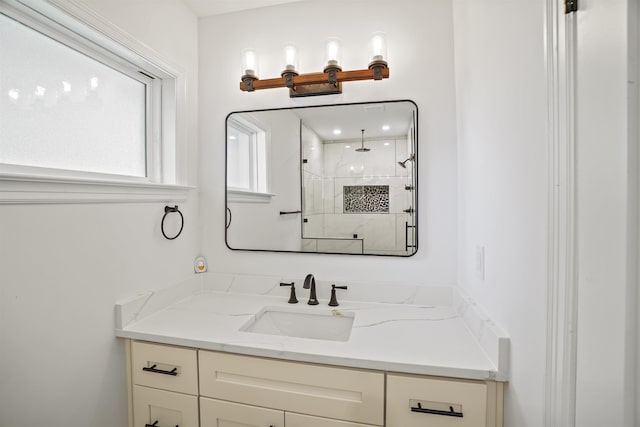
column 250, row 68
column 327, row 82
column 291, row 65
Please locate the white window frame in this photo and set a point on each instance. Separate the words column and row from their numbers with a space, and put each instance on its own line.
column 80, row 28
column 253, row 194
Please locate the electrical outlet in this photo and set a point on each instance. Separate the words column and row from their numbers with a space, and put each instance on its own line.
column 479, row 265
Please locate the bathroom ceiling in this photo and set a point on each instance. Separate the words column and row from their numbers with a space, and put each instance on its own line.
column 370, row 117
column 217, row 7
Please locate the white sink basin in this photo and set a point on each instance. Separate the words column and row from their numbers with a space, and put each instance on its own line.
column 333, row 325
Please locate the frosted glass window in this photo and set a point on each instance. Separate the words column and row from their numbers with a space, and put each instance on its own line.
column 62, row 109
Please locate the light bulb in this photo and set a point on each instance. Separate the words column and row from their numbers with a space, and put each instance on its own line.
column 250, row 62
column 333, row 51
column 290, row 58
column 378, row 46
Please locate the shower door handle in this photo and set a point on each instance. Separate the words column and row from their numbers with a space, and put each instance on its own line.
column 406, row 236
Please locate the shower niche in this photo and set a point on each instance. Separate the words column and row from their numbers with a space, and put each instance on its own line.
column 338, row 179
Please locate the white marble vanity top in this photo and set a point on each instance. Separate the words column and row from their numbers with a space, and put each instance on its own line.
column 207, row 312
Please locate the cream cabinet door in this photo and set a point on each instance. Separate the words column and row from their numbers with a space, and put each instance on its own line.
column 218, row 413
column 165, row 367
column 164, row 408
column 419, row 401
column 299, row 420
column 347, row 394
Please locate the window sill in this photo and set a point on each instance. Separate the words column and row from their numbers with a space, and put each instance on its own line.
column 239, row 196
column 40, row 190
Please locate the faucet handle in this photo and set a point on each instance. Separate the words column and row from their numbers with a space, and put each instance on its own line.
column 334, row 301
column 292, row 296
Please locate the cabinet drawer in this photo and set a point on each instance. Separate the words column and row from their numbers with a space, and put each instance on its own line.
column 166, row 407
column 298, row 420
column 216, row 413
column 413, row 402
column 346, row 394
column 152, row 366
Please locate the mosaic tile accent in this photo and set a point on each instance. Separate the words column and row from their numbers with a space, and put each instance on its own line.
column 366, row 198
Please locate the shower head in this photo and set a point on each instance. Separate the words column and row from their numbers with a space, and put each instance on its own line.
column 362, row 148
column 403, row 164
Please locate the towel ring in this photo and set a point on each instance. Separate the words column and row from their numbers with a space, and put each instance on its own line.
column 167, row 211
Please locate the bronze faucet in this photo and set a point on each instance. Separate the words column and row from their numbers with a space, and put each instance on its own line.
column 310, row 283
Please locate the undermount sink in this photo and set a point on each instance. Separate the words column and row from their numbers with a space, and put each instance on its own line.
column 333, row 325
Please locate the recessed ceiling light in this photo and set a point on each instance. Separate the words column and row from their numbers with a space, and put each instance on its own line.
column 387, row 143
column 385, row 127
column 232, row 137
column 337, row 131
column 347, row 146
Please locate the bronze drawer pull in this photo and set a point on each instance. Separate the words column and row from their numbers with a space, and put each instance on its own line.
column 173, row 372
column 449, row 413
column 155, row 424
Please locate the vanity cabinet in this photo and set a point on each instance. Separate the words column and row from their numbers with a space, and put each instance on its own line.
column 164, row 385
column 186, row 387
column 340, row 393
column 160, row 408
column 218, row 413
column 416, row 401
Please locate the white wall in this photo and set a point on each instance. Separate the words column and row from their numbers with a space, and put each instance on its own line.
column 63, row 267
column 606, row 209
column 501, row 105
column 420, row 53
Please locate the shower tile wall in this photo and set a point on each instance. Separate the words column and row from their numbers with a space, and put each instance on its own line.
column 340, row 167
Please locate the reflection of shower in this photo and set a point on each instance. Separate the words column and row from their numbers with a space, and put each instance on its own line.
column 362, row 148
column 411, row 157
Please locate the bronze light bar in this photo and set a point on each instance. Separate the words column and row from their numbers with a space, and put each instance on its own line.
column 314, row 83
column 325, row 83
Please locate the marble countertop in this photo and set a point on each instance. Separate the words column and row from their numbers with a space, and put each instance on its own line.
column 414, row 338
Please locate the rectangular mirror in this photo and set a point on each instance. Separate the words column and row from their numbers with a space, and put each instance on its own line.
column 339, row 179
